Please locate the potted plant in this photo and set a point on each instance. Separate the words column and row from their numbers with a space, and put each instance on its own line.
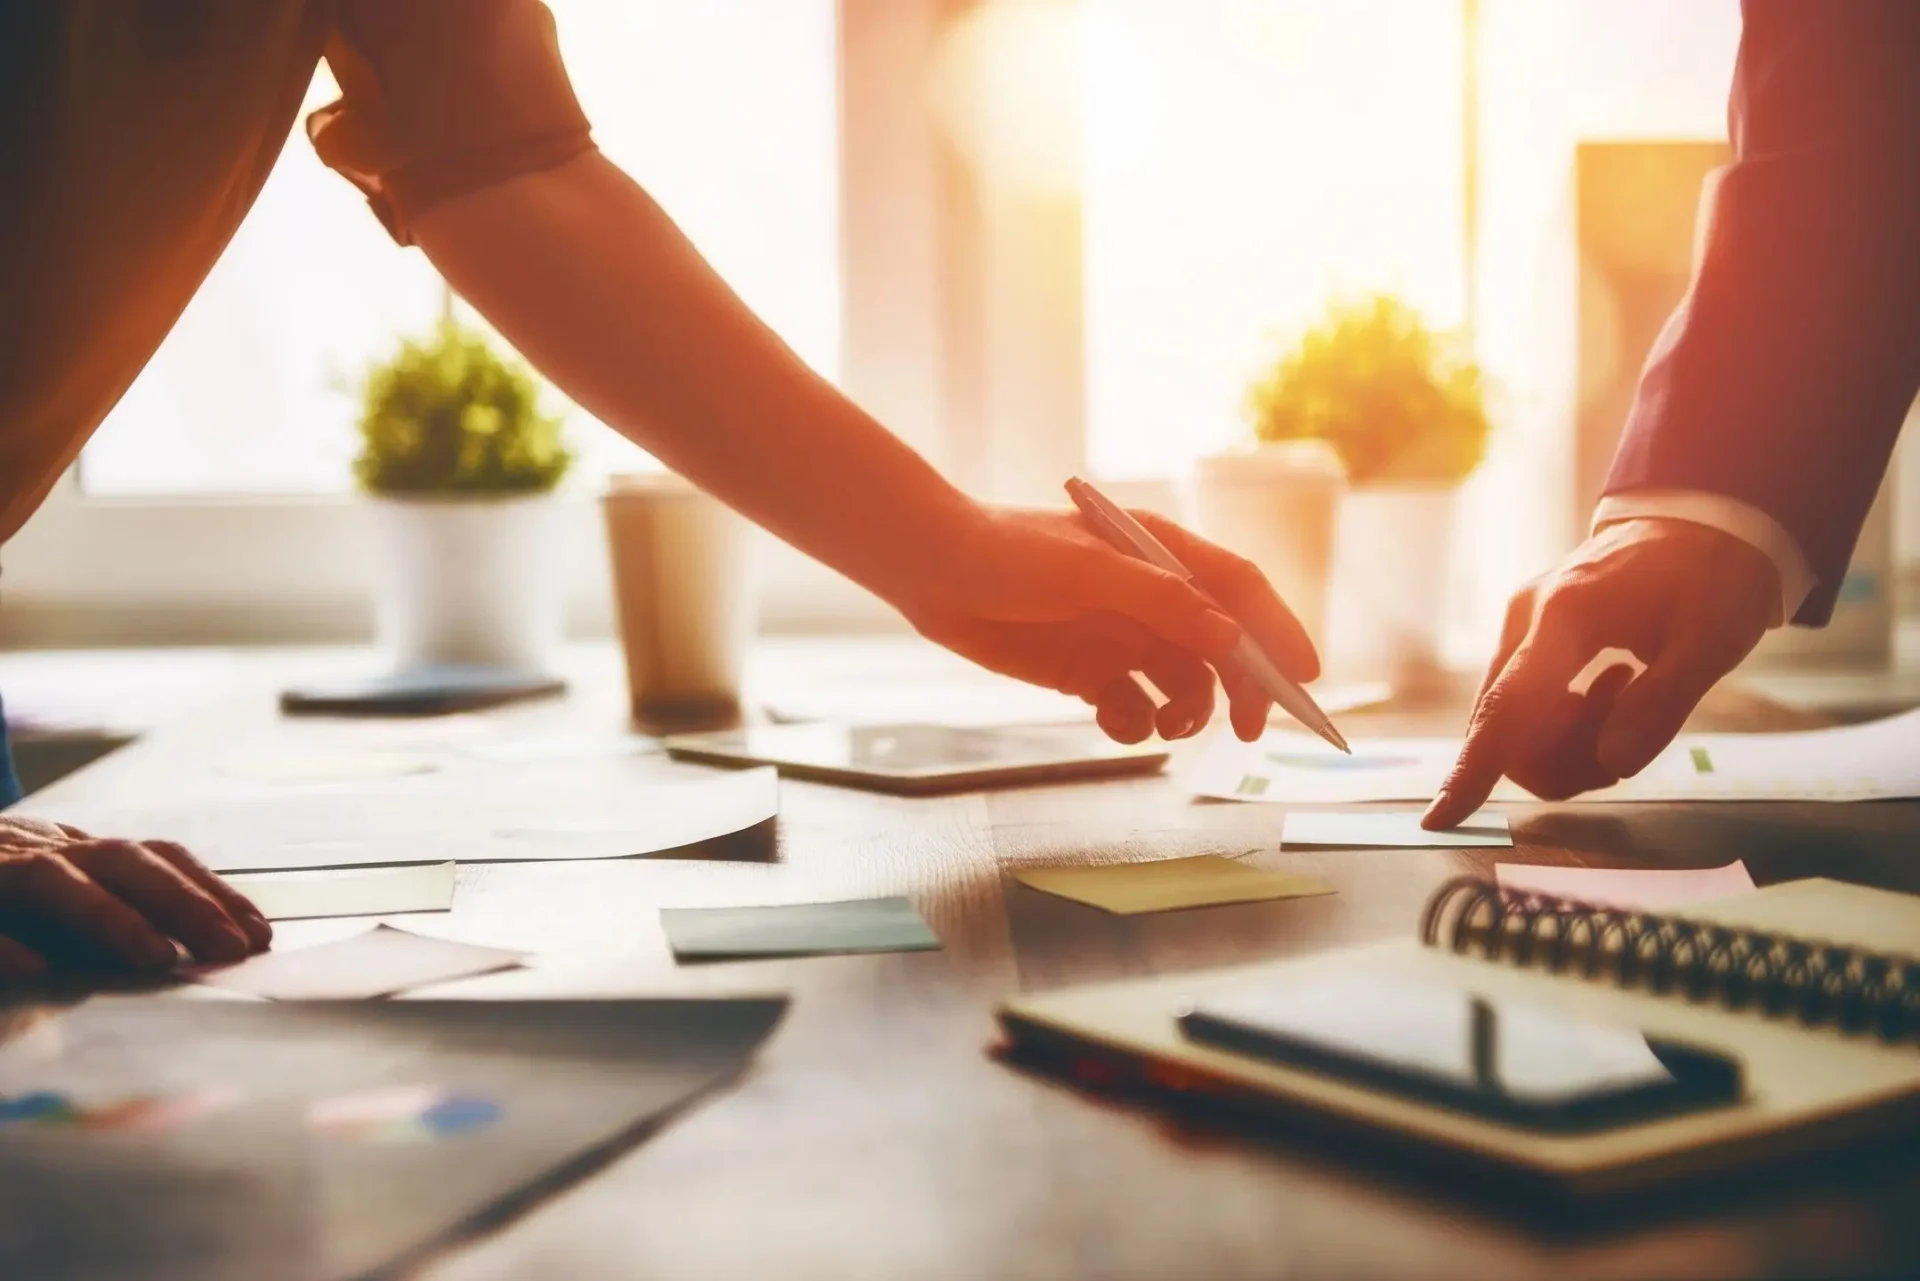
column 1404, row 408
column 461, row 464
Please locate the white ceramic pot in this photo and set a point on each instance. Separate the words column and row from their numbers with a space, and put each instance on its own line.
column 467, row 580
column 1277, row 505
column 1392, row 558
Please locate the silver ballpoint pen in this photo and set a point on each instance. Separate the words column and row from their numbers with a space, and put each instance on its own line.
column 1113, row 523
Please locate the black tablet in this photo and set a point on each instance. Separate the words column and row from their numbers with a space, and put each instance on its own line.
column 918, row 759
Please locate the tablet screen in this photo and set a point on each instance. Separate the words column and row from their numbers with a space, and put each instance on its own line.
column 923, row 754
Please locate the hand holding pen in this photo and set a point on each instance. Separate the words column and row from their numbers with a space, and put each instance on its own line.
column 1120, row 528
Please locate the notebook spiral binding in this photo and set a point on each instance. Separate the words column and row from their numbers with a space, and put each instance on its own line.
column 1821, row 984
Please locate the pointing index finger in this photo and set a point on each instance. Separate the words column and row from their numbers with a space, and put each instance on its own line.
column 1506, row 720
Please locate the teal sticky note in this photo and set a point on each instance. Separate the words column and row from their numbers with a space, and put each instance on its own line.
column 796, row 929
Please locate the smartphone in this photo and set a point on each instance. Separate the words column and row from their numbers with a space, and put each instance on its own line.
column 421, row 691
column 1524, row 1064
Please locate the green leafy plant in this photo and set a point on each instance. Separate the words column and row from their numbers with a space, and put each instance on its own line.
column 448, row 415
column 1398, row 402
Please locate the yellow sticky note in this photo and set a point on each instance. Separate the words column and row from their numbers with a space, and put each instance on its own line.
column 1202, row 881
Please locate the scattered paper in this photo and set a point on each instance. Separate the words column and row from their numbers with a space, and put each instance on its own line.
column 563, row 747
column 989, row 704
column 327, row 767
column 359, row 891
column 380, row 962
column 508, row 824
column 1201, row 881
column 1338, row 697
column 1876, row 761
column 1646, row 889
column 797, row 929
column 1396, row 829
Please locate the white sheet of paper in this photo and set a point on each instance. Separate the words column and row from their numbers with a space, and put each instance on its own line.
column 354, row 891
column 1879, row 760
column 563, row 747
column 513, row 824
column 1394, row 829
column 378, row 963
column 296, row 769
column 1652, row 889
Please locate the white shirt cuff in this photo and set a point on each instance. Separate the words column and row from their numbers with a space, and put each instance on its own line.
column 1730, row 516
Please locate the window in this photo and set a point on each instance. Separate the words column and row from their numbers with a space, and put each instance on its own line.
column 725, row 110
column 1083, row 263
column 1245, row 160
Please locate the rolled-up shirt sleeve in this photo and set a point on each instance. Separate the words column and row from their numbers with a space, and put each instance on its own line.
column 439, row 98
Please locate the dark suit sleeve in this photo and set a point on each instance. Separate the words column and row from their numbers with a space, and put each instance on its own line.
column 1784, row 375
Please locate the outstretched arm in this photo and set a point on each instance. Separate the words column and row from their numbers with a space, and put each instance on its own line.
column 587, row 276
column 1763, row 423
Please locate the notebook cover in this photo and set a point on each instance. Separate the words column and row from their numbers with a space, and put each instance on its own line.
column 1808, row 1090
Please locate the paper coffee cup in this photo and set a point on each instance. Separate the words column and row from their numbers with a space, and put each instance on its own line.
column 684, row 593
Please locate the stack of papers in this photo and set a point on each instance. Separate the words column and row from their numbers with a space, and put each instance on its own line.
column 1876, row 761
column 331, row 830
column 356, row 891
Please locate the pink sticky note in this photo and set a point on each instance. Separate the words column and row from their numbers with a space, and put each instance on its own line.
column 1649, row 889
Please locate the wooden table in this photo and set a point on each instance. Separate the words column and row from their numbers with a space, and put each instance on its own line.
column 875, row 1137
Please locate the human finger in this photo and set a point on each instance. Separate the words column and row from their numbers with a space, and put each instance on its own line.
column 1125, row 712
column 1188, row 685
column 1510, row 715
column 238, row 906
column 1164, row 603
column 1239, row 585
column 1651, row 711
column 19, row 962
column 1248, row 705
column 158, row 891
column 46, row 886
column 1513, row 629
column 17, row 833
column 1564, row 761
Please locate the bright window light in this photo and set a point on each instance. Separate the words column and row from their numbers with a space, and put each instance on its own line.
column 725, row 110
column 1248, row 159
column 1245, row 160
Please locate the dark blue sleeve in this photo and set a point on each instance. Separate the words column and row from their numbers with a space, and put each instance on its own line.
column 1783, row 377
column 9, row 780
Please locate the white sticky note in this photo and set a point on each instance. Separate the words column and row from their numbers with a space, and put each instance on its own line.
column 357, row 891
column 1393, row 829
column 380, row 962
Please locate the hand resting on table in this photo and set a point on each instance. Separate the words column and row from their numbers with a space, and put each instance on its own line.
column 118, row 903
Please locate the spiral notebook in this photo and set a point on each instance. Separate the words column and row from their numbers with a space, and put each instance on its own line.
column 1813, row 985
